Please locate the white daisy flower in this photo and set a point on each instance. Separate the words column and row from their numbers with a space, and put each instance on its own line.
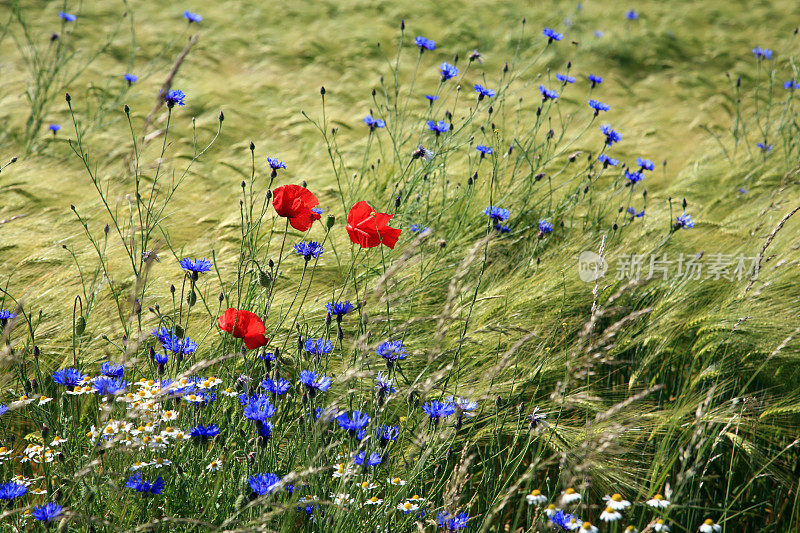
column 408, row 506
column 587, row 527
column 709, row 526
column 373, row 501
column 366, row 485
column 341, row 498
column 396, row 481
column 616, row 502
column 551, row 510
column 214, row 466
column 230, row 393
column 659, row 526
column 610, row 515
column 658, row 502
column 570, row 496
column 138, row 465
column 536, row 497
column 631, row 529
column 44, row 400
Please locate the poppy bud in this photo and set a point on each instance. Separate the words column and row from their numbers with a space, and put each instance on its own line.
column 491, row 110
column 510, row 149
column 684, row 203
column 322, row 90
column 264, row 279
column 137, row 307
column 402, row 24
column 179, row 331
column 397, row 201
column 271, row 264
column 53, row 37
column 80, row 325
column 269, row 195
column 330, row 221
column 644, row 193
column 221, row 116
column 620, row 209
column 243, row 184
column 13, row 159
column 67, row 97
column 614, row 227
column 127, row 109
column 221, row 297
column 569, row 65
column 35, row 351
column 252, row 146
column 373, row 91
column 585, row 189
column 538, row 111
column 505, row 67
column 172, row 289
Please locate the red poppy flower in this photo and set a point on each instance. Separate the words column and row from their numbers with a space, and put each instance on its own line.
column 295, row 203
column 244, row 325
column 368, row 229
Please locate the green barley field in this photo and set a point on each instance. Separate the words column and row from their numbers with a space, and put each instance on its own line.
column 388, row 266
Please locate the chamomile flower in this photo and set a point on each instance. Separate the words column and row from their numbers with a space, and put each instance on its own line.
column 536, row 497
column 214, row 466
column 407, row 506
column 659, row 525
column 616, row 502
column 367, row 485
column 630, row 529
column 550, row 510
column 373, row 501
column 587, row 527
column 610, row 515
column 570, row 496
column 658, row 502
column 396, row 481
column 709, row 526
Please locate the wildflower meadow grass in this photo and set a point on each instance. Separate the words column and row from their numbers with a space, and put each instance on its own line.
column 351, row 266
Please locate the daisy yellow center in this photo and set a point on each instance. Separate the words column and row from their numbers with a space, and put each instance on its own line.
column 658, row 497
column 536, row 492
column 617, row 497
column 407, row 505
column 609, row 510
column 415, row 497
column 708, row 522
column 552, row 507
column 396, row 480
column 586, row 525
column 570, row 491
column 374, row 499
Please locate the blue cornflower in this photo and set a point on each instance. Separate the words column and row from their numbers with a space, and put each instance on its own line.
column 258, row 408
column 264, row 483
column 358, row 420
column 501, row 228
column 170, row 341
column 552, row 35
column 431, row 97
column 3, row 409
column 175, row 97
column 317, row 210
column 192, row 17
column 632, row 212
column 204, row 433
column 69, row 377
column 607, row 161
column 762, row 53
column 275, row 164
column 195, row 266
column 448, row 71
column 484, row 150
column 361, row 459
column 315, row 383
column 416, row 228
column 645, row 164
column 54, row 128
column 113, row 371
column 281, row 386
column 160, row 359
column 387, row 434
column 563, row 520
column 11, row 490
column 565, row 78
column 67, row 17
column 596, row 80
column 764, row 147
column 131, row 78
column 684, row 221
column 383, row 385
column 633, row 177
column 48, row 512
column 548, row 94
column 5, row 314
column 319, row 346
column 464, row 405
column 392, row 351
column 138, row 484
column 454, row 523
column 791, row 85
column 373, row 122
column 438, row 127
column 265, row 430
column 438, row 410
column 545, row 227
column 424, row 44
column 631, row 15
column 497, row 214
column 611, row 135
column 339, row 309
column 108, row 386
column 483, row 92
column 598, row 106
column 598, row 33
column 742, row 190
column 308, row 250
